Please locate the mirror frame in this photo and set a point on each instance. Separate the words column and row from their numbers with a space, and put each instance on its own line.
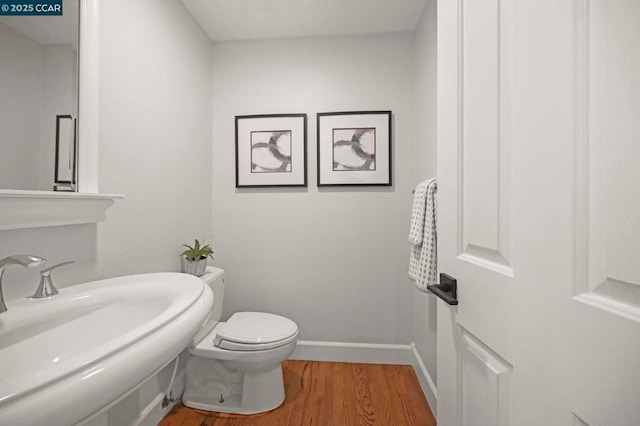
column 88, row 89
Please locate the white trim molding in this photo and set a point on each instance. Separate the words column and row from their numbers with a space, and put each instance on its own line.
column 367, row 353
column 34, row 209
column 426, row 382
column 88, row 90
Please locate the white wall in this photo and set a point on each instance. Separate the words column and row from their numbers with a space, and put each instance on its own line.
column 332, row 259
column 424, row 305
column 155, row 131
column 21, row 80
column 155, row 147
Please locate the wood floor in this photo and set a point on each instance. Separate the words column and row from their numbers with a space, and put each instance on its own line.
column 331, row 394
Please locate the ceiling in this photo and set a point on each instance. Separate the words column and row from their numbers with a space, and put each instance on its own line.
column 258, row 19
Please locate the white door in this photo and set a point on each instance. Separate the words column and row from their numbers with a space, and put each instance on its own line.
column 539, row 212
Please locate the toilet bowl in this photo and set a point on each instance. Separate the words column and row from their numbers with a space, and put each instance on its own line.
column 235, row 366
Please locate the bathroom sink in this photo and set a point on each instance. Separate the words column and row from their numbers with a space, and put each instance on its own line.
column 63, row 358
column 17, row 327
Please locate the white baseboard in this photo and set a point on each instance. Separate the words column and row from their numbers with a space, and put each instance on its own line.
column 426, row 383
column 369, row 353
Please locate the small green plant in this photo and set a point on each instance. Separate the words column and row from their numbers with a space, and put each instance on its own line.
column 198, row 251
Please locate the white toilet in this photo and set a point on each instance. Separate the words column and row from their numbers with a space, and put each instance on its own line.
column 235, row 366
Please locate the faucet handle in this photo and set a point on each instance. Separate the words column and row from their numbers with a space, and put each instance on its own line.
column 46, row 287
column 47, row 272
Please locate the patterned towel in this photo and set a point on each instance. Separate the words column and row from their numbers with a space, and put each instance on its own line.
column 417, row 213
column 423, row 257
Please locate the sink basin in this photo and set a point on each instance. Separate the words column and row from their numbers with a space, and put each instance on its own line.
column 65, row 357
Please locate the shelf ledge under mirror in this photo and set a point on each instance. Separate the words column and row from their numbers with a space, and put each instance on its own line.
column 33, row 209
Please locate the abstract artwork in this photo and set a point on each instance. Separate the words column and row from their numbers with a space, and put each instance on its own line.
column 271, row 150
column 354, row 148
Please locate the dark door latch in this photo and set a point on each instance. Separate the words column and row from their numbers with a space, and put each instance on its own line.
column 446, row 290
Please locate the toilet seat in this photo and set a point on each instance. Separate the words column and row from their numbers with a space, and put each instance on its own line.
column 255, row 331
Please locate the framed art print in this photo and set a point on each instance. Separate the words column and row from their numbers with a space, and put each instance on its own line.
column 271, row 150
column 65, row 154
column 354, row 148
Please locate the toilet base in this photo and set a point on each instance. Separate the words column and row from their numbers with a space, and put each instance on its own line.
column 257, row 392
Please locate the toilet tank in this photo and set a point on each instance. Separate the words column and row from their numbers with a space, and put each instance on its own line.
column 214, row 278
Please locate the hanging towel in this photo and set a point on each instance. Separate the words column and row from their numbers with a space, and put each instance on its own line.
column 416, row 229
column 422, row 235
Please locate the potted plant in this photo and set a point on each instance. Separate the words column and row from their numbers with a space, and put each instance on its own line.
column 194, row 259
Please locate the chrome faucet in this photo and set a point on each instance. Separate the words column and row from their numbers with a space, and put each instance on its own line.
column 25, row 260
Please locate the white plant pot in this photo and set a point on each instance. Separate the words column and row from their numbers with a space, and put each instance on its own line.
column 194, row 268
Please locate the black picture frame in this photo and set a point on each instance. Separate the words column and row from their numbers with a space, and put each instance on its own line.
column 355, row 148
column 271, row 150
column 65, row 155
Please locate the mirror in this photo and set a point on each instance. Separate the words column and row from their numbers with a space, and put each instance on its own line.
column 39, row 83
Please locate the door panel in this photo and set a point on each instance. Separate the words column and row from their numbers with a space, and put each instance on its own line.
column 609, row 103
column 479, row 120
column 485, row 378
column 483, row 121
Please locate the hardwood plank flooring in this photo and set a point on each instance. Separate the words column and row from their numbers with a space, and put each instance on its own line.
column 331, row 394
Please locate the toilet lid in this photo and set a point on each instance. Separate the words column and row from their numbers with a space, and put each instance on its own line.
column 245, row 329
